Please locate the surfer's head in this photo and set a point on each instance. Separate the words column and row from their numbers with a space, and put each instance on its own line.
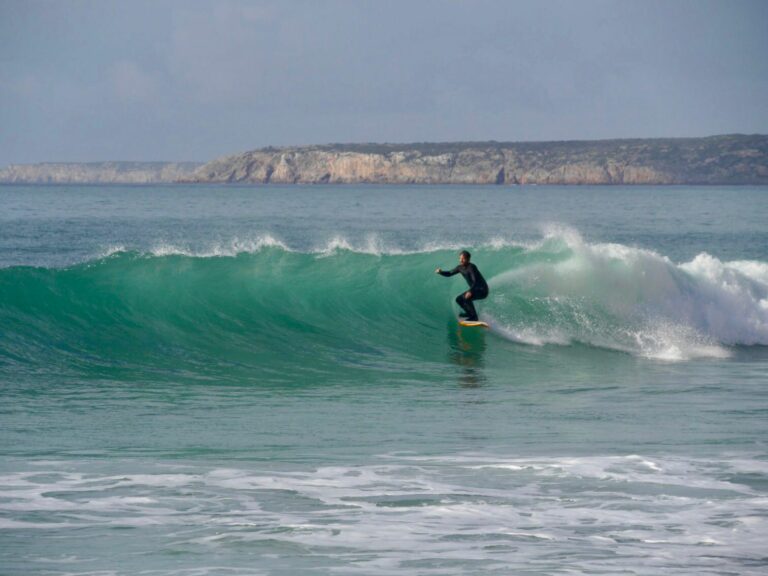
column 464, row 257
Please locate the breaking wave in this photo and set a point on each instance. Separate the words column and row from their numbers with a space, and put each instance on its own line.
column 264, row 304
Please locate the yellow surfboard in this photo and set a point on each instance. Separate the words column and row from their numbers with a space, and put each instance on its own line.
column 473, row 323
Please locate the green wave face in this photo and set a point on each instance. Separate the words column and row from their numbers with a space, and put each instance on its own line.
column 273, row 310
column 274, row 314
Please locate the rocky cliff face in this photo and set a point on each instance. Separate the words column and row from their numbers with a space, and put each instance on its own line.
column 717, row 160
column 98, row 173
column 736, row 159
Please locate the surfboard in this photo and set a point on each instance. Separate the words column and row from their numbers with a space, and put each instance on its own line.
column 473, row 323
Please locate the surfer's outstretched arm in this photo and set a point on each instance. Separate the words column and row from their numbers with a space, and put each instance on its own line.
column 447, row 273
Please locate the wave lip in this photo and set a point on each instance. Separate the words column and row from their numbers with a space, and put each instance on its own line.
column 733, row 298
column 632, row 299
column 233, row 248
column 371, row 244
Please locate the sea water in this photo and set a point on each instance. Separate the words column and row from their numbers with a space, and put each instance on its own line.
column 223, row 380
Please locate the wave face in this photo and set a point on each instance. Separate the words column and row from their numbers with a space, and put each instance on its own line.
column 265, row 306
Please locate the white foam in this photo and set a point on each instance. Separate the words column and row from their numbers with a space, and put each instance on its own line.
column 636, row 300
column 371, row 244
column 732, row 298
column 374, row 245
column 478, row 509
column 561, row 233
column 500, row 243
column 227, row 249
column 112, row 249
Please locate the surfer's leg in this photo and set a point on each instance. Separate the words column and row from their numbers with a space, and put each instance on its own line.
column 480, row 295
column 462, row 302
column 467, row 306
column 471, row 309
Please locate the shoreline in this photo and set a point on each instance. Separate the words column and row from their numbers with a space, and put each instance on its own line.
column 278, row 185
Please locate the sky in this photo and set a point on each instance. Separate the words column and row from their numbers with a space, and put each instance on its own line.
column 175, row 80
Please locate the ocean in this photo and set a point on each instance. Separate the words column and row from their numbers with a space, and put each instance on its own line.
column 224, row 380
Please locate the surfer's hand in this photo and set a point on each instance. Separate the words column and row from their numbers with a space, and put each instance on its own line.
column 437, row 270
column 468, row 295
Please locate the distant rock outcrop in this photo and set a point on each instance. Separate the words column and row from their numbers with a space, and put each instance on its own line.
column 98, row 173
column 735, row 159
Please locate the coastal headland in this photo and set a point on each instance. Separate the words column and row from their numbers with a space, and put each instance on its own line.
column 728, row 159
column 98, row 172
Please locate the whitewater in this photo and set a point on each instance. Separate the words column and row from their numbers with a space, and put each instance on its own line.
column 271, row 380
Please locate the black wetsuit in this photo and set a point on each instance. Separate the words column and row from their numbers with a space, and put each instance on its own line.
column 477, row 286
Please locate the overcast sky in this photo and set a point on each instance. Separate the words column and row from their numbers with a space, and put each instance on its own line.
column 196, row 79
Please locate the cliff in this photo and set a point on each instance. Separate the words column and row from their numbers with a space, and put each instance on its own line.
column 734, row 159
column 98, row 173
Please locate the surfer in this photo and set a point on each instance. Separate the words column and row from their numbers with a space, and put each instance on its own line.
column 478, row 288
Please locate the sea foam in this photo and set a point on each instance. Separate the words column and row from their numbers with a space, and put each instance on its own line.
column 632, row 299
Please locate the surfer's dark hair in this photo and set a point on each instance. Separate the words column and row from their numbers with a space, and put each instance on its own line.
column 466, row 254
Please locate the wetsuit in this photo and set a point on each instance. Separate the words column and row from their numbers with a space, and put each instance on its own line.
column 477, row 286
